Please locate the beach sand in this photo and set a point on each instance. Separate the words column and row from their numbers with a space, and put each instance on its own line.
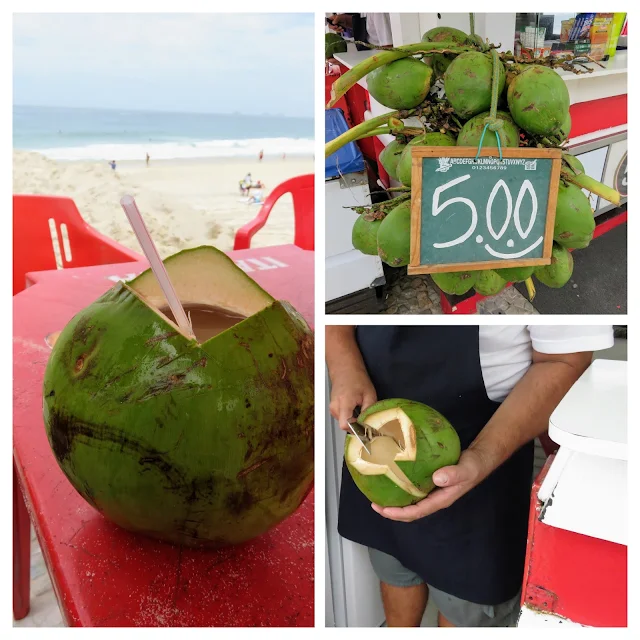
column 185, row 203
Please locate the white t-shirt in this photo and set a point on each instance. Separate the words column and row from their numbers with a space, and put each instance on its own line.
column 378, row 29
column 506, row 351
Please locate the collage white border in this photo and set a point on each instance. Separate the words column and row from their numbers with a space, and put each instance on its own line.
column 194, row 6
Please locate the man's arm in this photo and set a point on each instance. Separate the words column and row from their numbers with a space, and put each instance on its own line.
column 520, row 418
column 350, row 383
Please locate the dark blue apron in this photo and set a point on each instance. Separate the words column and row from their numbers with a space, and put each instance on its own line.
column 474, row 549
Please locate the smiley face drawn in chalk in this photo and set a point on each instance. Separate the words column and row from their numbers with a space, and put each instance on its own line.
column 525, row 188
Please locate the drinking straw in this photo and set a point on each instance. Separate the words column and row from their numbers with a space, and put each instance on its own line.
column 157, row 266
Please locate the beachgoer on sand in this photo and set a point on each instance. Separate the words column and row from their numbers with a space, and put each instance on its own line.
column 256, row 198
column 260, row 155
column 147, row 160
column 112, row 164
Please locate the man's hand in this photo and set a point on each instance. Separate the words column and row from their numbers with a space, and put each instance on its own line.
column 340, row 22
column 350, row 383
column 350, row 389
column 453, row 481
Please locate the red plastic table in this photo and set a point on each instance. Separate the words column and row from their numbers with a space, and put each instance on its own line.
column 103, row 575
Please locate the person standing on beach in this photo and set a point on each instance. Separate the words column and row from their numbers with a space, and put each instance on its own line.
column 148, row 158
column 112, row 164
column 260, row 155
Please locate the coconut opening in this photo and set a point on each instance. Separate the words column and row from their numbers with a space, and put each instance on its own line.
column 392, row 440
column 206, row 321
column 213, row 290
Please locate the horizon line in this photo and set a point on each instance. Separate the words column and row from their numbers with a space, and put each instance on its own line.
column 173, row 111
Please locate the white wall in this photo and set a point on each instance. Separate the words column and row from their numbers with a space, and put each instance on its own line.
column 498, row 27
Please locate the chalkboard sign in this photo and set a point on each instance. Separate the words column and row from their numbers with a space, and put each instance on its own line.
column 484, row 214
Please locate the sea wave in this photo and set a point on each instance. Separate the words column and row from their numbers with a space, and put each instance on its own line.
column 272, row 147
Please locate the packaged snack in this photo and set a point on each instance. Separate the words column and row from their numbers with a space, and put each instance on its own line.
column 614, row 34
column 599, row 35
column 581, row 26
column 565, row 29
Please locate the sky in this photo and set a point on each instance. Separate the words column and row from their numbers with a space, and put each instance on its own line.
column 207, row 63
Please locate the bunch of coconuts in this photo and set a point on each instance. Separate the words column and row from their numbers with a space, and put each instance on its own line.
column 533, row 107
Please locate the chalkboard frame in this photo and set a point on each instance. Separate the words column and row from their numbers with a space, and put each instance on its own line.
column 420, row 152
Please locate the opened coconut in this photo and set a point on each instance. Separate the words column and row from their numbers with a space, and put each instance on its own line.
column 409, row 443
column 202, row 442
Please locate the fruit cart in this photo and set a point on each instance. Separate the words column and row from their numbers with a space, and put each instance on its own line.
column 576, row 566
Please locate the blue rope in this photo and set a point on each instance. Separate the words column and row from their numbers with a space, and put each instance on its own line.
column 481, row 140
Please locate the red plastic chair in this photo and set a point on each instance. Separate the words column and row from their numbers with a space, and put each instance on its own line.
column 302, row 191
column 41, row 222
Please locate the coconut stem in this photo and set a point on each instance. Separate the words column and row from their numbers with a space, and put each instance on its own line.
column 531, row 289
column 590, row 184
column 359, row 71
column 380, row 131
column 360, row 131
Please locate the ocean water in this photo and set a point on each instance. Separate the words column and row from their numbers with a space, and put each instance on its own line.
column 105, row 134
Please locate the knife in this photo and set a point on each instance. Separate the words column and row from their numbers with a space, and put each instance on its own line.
column 359, row 431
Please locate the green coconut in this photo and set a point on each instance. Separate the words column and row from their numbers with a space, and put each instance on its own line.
column 431, row 139
column 409, row 443
column 512, row 70
column 333, row 43
column 364, row 235
column 515, row 274
column 456, row 283
column 390, row 156
column 539, row 100
column 401, row 84
column 558, row 273
column 394, row 236
column 565, row 129
column 467, row 83
column 440, row 61
column 488, row 283
column 574, row 224
column 199, row 442
column 471, row 132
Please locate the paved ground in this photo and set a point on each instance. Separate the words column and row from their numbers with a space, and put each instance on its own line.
column 44, row 606
column 419, row 296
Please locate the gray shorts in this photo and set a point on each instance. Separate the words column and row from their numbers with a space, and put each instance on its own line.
column 461, row 613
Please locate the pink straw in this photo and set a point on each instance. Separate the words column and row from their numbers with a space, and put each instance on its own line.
column 139, row 228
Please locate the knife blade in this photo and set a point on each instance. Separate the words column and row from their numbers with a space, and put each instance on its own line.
column 361, row 435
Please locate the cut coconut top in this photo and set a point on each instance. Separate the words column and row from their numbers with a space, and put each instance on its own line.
column 203, row 276
column 393, row 440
